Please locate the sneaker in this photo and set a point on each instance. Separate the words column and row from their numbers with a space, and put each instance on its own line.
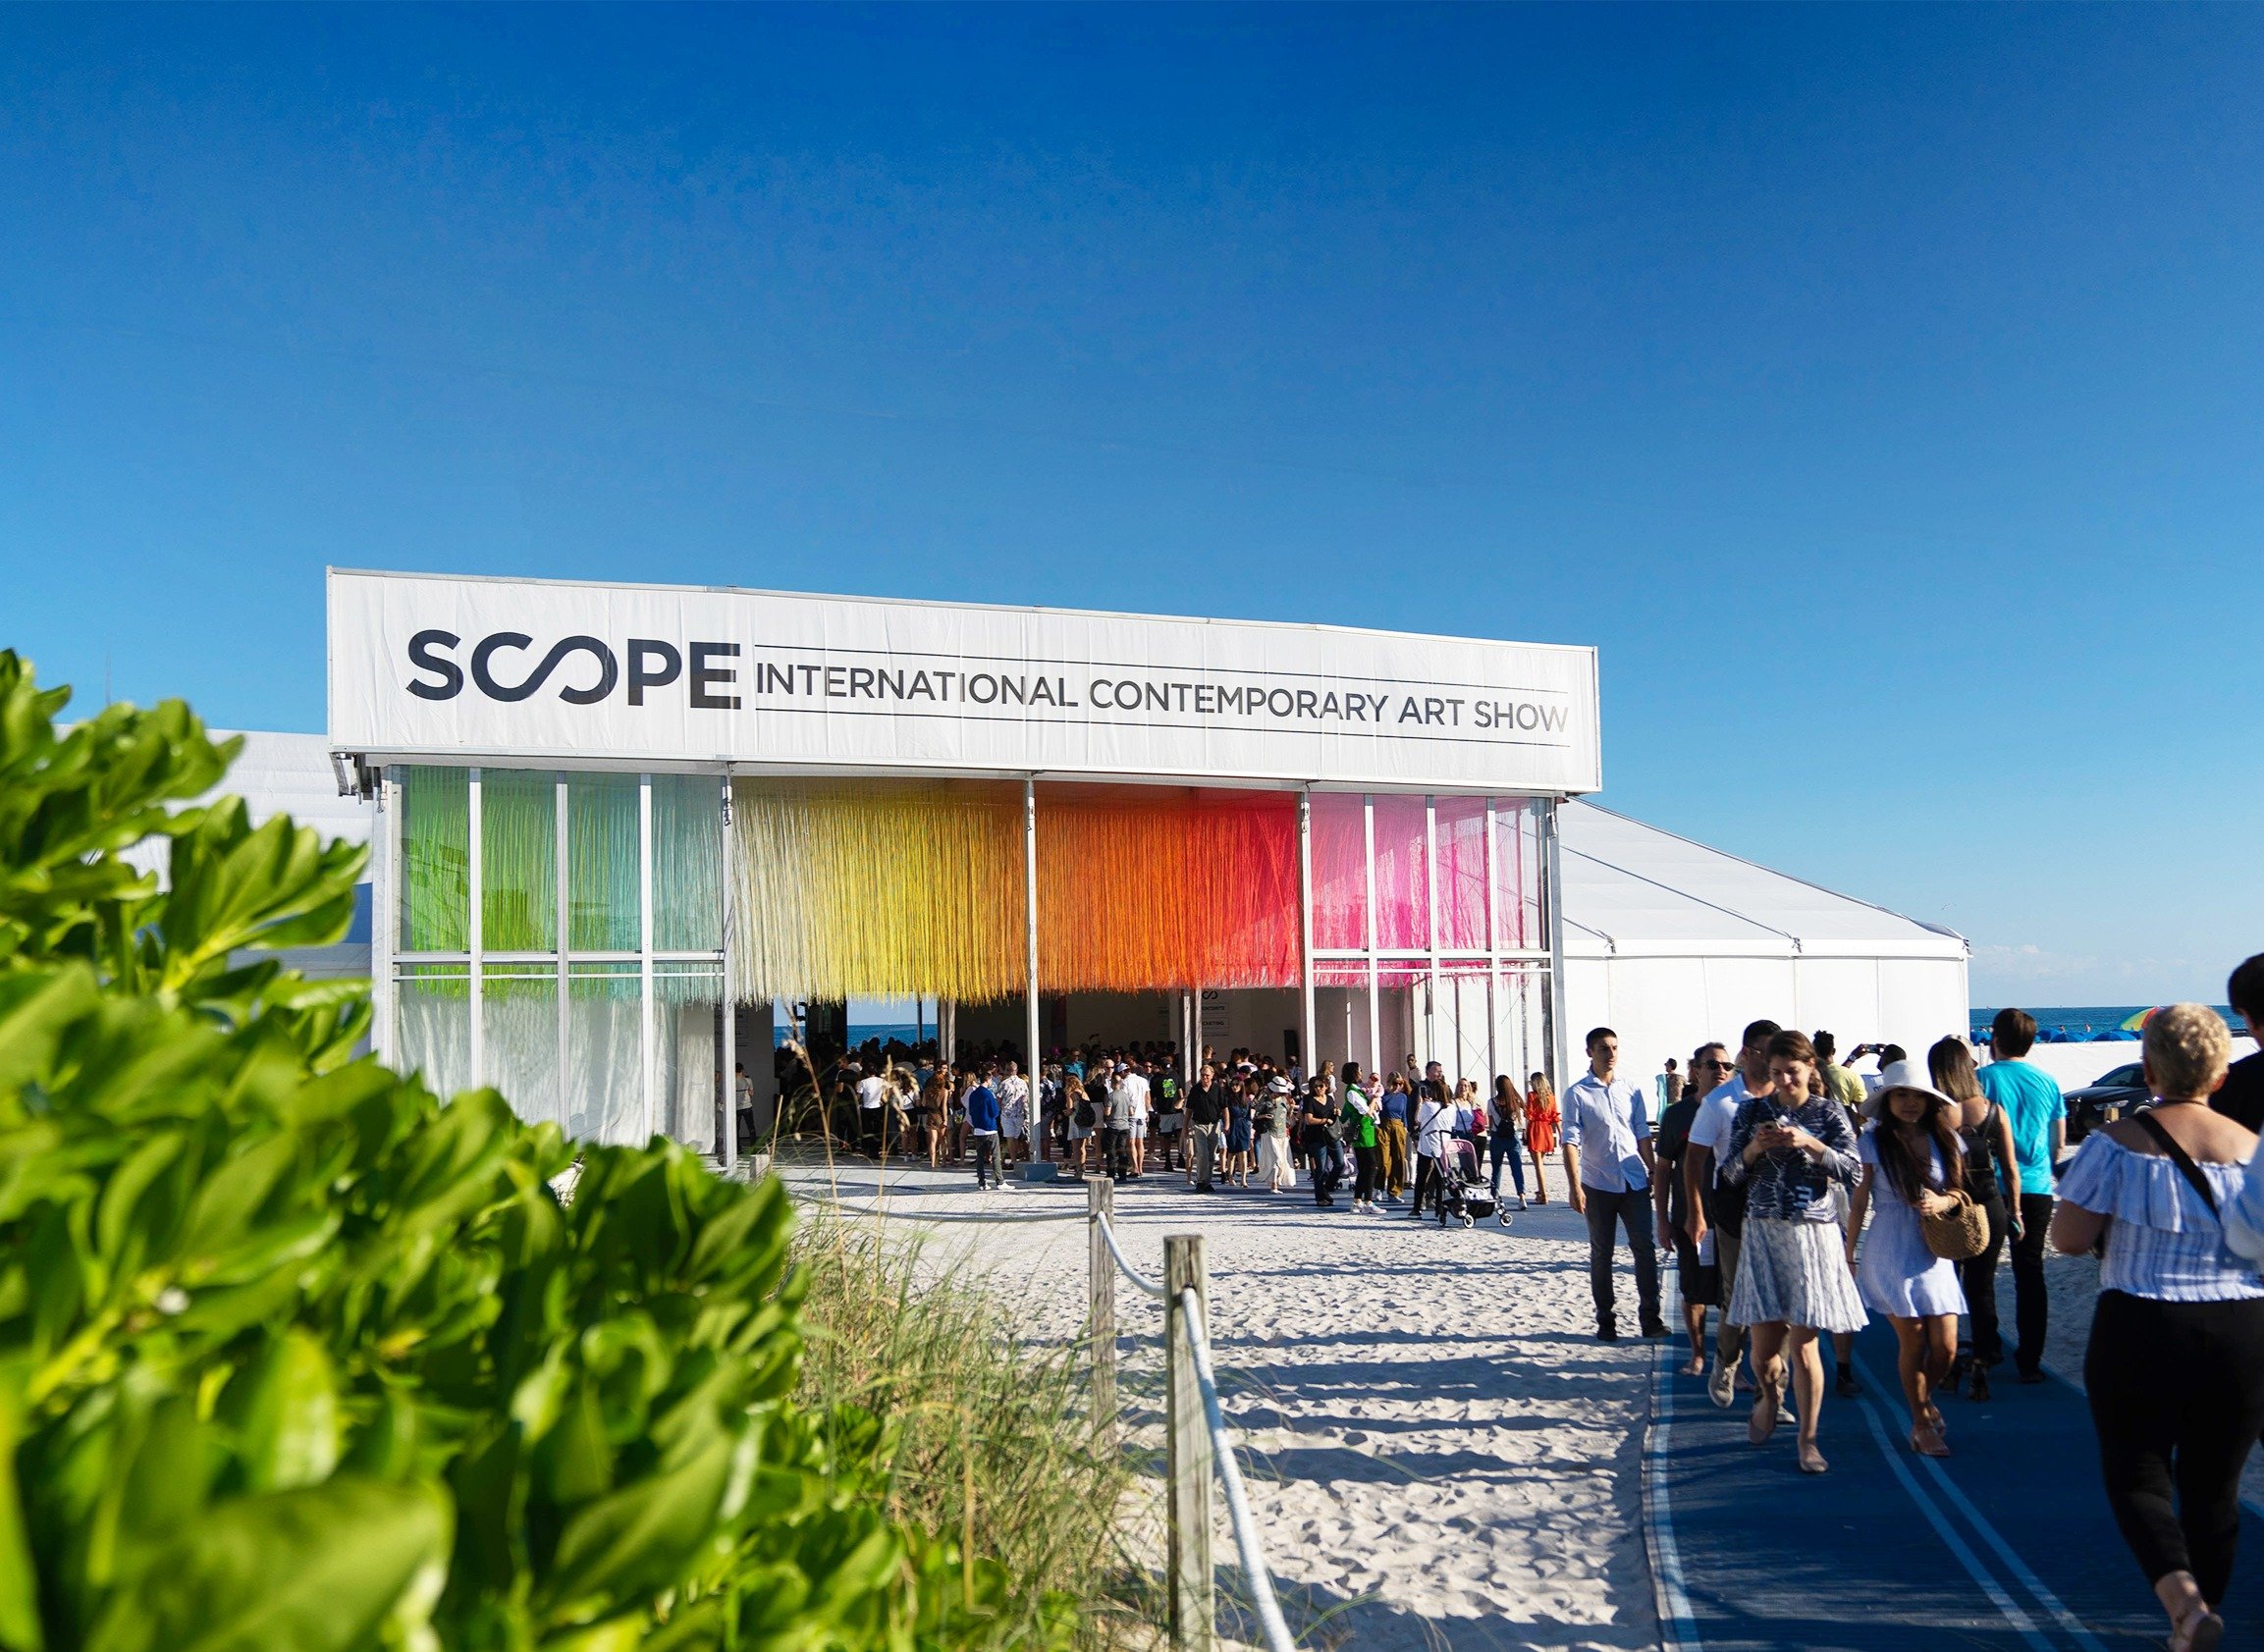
column 1655, row 1328
column 1847, row 1388
column 1721, row 1386
column 1607, row 1332
column 2031, row 1380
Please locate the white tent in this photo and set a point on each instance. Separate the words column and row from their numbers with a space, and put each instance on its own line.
column 1671, row 944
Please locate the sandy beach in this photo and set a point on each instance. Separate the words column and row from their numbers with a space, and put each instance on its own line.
column 1440, row 1453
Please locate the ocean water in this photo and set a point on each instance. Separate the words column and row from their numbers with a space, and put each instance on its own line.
column 2080, row 1023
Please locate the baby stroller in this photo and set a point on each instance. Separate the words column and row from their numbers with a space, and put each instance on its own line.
column 1463, row 1191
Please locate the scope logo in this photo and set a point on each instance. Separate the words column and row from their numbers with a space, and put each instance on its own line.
column 652, row 663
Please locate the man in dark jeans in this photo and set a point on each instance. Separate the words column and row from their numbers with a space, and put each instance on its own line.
column 2241, row 1098
column 2038, row 1113
column 983, row 1131
column 1607, row 1159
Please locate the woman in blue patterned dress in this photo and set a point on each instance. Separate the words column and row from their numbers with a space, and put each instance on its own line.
column 1789, row 1147
column 1912, row 1161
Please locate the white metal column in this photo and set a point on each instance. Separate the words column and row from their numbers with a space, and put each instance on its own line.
column 565, row 934
column 1552, row 889
column 651, row 1039
column 473, row 935
column 1492, row 959
column 728, row 1146
column 1030, row 1060
column 1374, row 1016
column 1305, row 925
column 1430, row 986
column 384, row 918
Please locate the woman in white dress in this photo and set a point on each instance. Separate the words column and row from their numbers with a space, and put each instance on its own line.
column 1912, row 1161
column 1273, row 1167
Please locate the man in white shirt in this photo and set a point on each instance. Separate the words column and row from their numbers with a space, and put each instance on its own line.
column 1136, row 1107
column 1604, row 1115
column 1717, row 1207
column 1013, row 1108
column 869, row 1092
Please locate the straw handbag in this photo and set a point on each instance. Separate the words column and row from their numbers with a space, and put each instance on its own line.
column 1958, row 1233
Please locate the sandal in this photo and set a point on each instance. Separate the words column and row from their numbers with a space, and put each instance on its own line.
column 1763, row 1420
column 1934, row 1416
column 1927, row 1440
column 2201, row 1631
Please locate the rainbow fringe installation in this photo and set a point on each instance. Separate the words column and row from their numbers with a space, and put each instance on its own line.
column 1167, row 891
column 889, row 888
column 883, row 889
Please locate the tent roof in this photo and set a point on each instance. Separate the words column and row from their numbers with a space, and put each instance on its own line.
column 1632, row 890
column 280, row 774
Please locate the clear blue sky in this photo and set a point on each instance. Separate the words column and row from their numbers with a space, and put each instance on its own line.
column 1879, row 389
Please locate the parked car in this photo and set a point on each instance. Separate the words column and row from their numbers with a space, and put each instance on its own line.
column 2110, row 1095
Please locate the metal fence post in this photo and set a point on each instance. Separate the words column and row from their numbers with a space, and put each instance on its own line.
column 1193, row 1622
column 1101, row 1313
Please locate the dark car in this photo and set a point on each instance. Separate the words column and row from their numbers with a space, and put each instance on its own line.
column 2111, row 1095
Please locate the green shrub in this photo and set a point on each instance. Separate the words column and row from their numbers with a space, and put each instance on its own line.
column 295, row 1355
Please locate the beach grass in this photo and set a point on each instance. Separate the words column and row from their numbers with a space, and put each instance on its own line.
column 995, row 1441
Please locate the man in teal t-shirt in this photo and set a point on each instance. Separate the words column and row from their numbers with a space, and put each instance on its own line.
column 2039, row 1118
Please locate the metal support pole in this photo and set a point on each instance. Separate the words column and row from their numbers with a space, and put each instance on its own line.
column 729, row 1147
column 1308, row 1025
column 1367, row 841
column 1188, row 1457
column 1030, row 1058
column 649, row 1041
column 1552, row 900
column 474, row 930
column 1101, row 1313
column 384, row 918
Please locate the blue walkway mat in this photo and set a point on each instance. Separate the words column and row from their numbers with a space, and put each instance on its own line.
column 2005, row 1546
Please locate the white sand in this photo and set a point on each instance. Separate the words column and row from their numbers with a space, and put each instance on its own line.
column 1440, row 1454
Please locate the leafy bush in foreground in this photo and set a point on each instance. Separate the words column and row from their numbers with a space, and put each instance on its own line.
column 295, row 1355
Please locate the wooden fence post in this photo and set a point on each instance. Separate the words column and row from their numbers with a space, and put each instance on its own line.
column 1101, row 1314
column 1188, row 1489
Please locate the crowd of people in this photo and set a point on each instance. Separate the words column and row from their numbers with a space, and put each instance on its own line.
column 1245, row 1121
column 1795, row 1195
column 1798, row 1198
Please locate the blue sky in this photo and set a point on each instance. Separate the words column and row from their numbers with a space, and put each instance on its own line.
column 1879, row 390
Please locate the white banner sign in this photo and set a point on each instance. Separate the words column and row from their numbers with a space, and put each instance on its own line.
column 546, row 671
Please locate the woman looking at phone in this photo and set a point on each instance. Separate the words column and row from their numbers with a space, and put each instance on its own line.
column 1912, row 1161
column 1789, row 1147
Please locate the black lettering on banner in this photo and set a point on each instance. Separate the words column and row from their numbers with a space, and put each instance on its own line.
column 425, row 654
column 835, row 678
column 1280, row 702
column 768, row 677
column 640, row 649
column 809, row 677
column 891, row 681
column 944, row 682
column 1527, row 716
column 1011, row 691
column 977, row 694
column 1307, row 703
column 1205, row 699
column 1411, row 711
column 922, row 688
column 1156, row 697
column 609, row 669
column 1042, row 693
column 705, row 675
column 861, row 682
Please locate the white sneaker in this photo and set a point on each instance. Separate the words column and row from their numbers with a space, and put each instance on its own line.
column 1721, row 1387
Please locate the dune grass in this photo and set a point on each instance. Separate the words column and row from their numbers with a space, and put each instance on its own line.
column 996, row 1444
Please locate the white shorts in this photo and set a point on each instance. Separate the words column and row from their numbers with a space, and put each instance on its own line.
column 1139, row 1130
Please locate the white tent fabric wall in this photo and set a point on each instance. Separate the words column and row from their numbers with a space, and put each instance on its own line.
column 1671, row 944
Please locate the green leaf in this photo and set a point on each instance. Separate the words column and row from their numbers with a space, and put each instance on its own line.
column 284, row 1408
column 315, row 1569
column 638, row 1538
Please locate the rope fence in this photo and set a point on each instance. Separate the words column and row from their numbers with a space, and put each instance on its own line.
column 1198, row 1445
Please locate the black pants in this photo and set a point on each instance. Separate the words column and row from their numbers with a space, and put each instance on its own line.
column 2031, row 1310
column 1119, row 1152
column 2176, row 1393
column 1978, row 1275
column 1630, row 1210
column 986, row 1160
column 1429, row 1184
column 1366, row 1169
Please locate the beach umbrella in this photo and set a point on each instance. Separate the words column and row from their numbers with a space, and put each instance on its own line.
column 2138, row 1022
